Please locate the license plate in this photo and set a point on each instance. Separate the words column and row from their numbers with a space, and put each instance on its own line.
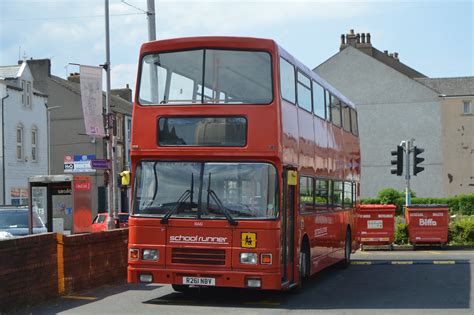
column 199, row 281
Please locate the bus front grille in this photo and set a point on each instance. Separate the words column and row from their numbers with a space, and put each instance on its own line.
column 198, row 256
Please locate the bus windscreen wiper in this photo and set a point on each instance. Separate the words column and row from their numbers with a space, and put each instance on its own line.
column 219, row 203
column 187, row 193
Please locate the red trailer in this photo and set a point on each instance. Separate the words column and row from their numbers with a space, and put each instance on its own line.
column 376, row 224
column 427, row 224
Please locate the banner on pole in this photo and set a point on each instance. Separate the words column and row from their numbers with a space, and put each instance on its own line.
column 91, row 97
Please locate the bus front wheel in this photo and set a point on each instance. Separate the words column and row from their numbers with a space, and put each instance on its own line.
column 180, row 288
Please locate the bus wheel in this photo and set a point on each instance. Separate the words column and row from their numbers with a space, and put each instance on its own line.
column 347, row 250
column 181, row 288
column 304, row 264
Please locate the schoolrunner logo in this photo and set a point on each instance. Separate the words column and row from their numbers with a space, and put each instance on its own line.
column 196, row 239
column 428, row 222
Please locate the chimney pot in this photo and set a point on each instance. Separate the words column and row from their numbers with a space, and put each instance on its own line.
column 385, row 52
column 390, row 55
column 343, row 39
column 368, row 38
column 351, row 31
column 363, row 38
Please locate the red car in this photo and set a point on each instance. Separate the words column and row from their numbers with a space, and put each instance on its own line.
column 100, row 221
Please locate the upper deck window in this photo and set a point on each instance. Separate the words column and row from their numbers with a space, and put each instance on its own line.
column 318, row 100
column 287, row 81
column 304, row 92
column 336, row 111
column 229, row 76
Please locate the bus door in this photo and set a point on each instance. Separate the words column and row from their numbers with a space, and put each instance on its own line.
column 288, row 224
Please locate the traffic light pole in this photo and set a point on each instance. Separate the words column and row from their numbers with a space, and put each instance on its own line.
column 407, row 145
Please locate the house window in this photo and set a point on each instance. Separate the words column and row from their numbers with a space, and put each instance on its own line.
column 34, row 141
column 28, row 93
column 119, row 127
column 19, row 142
column 23, row 87
column 467, row 110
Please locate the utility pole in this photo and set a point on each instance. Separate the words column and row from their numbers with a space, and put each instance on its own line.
column 111, row 190
column 151, row 20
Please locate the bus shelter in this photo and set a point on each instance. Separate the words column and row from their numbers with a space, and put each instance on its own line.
column 63, row 202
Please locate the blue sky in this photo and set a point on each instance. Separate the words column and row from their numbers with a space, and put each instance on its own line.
column 434, row 37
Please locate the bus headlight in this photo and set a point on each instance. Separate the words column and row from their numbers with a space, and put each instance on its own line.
column 150, row 254
column 248, row 258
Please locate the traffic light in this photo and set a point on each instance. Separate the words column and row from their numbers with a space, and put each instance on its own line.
column 417, row 160
column 398, row 161
column 125, row 178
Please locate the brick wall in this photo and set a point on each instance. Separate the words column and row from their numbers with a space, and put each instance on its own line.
column 29, row 269
column 91, row 260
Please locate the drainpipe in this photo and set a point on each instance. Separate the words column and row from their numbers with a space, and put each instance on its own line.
column 3, row 147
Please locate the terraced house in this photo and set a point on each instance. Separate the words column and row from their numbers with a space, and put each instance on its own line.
column 396, row 102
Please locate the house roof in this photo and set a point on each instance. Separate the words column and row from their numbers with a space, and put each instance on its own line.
column 457, row 86
column 396, row 64
column 9, row 72
column 118, row 104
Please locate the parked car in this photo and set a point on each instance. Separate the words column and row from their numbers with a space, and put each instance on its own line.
column 100, row 221
column 14, row 220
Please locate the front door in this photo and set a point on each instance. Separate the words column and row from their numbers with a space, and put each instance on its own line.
column 288, row 224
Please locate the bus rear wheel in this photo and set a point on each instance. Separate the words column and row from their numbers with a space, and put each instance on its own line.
column 347, row 250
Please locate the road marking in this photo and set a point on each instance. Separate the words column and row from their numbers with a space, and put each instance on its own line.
column 361, row 263
column 402, row 262
column 444, row 262
column 262, row 302
column 78, row 297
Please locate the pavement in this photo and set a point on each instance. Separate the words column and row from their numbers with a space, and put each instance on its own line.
column 430, row 281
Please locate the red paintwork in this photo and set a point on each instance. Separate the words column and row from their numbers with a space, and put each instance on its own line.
column 427, row 224
column 279, row 133
column 368, row 233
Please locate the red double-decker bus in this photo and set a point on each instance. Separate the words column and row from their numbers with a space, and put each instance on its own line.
column 246, row 167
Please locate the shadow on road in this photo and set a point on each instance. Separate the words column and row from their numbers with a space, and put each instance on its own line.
column 378, row 286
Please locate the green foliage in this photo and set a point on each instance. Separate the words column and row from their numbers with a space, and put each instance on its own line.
column 461, row 231
column 389, row 196
column 401, row 234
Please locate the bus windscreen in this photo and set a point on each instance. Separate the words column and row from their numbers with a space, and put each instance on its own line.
column 206, row 76
column 206, row 190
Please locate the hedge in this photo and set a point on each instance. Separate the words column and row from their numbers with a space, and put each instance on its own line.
column 461, row 204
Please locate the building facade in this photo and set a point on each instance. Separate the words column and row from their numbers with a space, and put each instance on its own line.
column 68, row 135
column 396, row 103
column 24, row 133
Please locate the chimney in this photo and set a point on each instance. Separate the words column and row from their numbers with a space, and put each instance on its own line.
column 74, row 77
column 395, row 56
column 361, row 41
column 385, row 52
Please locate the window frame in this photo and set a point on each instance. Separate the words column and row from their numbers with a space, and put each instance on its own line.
column 303, row 85
column 321, row 206
column 311, row 180
column 34, row 144
column 354, row 122
column 332, row 96
column 294, row 81
column 467, row 105
column 19, row 143
column 313, row 82
column 201, row 90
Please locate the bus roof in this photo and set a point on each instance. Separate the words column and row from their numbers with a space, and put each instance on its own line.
column 238, row 42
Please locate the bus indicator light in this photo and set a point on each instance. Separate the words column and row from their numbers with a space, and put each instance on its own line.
column 266, row 259
column 249, row 240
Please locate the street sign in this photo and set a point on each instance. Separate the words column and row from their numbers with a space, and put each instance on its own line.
column 100, row 164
